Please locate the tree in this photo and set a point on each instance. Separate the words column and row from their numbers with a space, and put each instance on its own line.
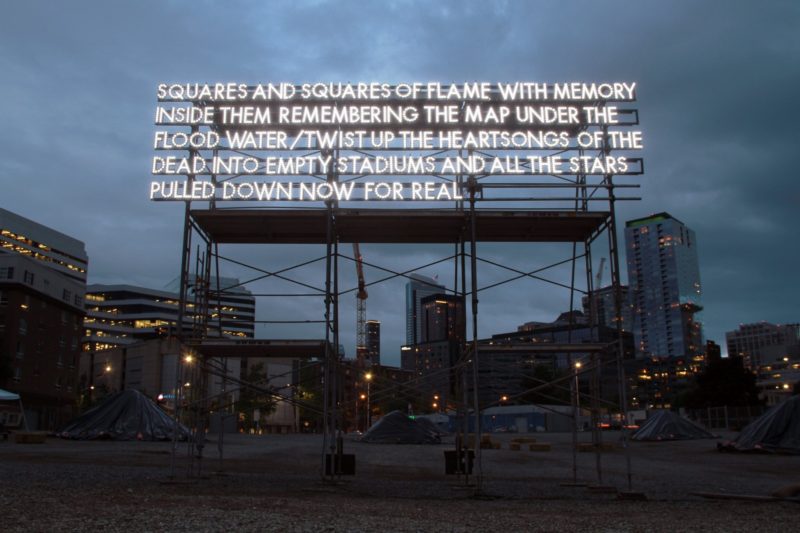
column 723, row 382
column 259, row 397
column 309, row 396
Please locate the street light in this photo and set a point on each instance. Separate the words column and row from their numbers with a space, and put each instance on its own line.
column 361, row 397
column 368, row 379
column 578, row 366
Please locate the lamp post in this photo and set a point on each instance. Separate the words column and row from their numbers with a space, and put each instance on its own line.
column 107, row 378
column 361, row 397
column 577, row 393
column 368, row 379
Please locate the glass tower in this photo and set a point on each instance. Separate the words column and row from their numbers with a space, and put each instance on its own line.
column 417, row 288
column 664, row 281
column 373, row 328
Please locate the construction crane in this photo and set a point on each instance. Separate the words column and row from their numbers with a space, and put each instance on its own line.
column 599, row 278
column 361, row 308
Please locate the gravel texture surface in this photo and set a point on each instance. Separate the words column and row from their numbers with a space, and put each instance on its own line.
column 272, row 483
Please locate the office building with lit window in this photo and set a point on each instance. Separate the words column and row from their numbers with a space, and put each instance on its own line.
column 764, row 343
column 441, row 334
column 118, row 315
column 605, row 307
column 54, row 249
column 417, row 288
column 42, row 284
column 442, row 318
column 373, row 330
column 664, row 283
column 130, row 337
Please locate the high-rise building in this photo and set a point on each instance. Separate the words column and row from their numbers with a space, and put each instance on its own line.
column 54, row 249
column 417, row 288
column 373, row 330
column 605, row 307
column 442, row 318
column 664, row 282
column 763, row 343
column 42, row 284
column 441, row 334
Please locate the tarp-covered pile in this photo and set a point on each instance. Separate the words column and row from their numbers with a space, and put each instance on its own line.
column 666, row 425
column 126, row 415
column 398, row 428
column 777, row 430
column 6, row 396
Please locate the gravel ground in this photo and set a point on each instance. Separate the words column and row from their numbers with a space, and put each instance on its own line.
column 272, row 483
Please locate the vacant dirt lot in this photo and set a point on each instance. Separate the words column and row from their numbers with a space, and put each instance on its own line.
column 274, row 483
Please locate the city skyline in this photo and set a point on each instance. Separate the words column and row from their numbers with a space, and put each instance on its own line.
column 713, row 159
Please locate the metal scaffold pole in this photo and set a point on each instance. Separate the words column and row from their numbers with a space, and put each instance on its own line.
column 463, row 453
column 186, row 252
column 338, row 413
column 575, row 391
column 327, row 365
column 595, row 363
column 475, row 359
column 620, row 349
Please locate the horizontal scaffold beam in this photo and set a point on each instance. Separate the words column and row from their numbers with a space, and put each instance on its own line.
column 309, row 226
column 279, row 348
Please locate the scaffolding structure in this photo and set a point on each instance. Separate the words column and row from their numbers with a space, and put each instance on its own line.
column 577, row 209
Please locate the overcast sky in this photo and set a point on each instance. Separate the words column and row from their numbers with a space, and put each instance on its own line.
column 717, row 93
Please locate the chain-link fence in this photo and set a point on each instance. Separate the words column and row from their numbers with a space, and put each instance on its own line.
column 726, row 417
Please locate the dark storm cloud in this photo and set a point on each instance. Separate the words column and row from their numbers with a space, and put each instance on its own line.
column 716, row 96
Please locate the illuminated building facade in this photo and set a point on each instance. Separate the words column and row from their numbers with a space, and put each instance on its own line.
column 373, row 329
column 763, row 343
column 777, row 381
column 129, row 337
column 432, row 364
column 442, row 318
column 417, row 288
column 656, row 383
column 664, row 282
column 605, row 307
column 55, row 250
column 440, row 335
column 118, row 315
column 42, row 284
